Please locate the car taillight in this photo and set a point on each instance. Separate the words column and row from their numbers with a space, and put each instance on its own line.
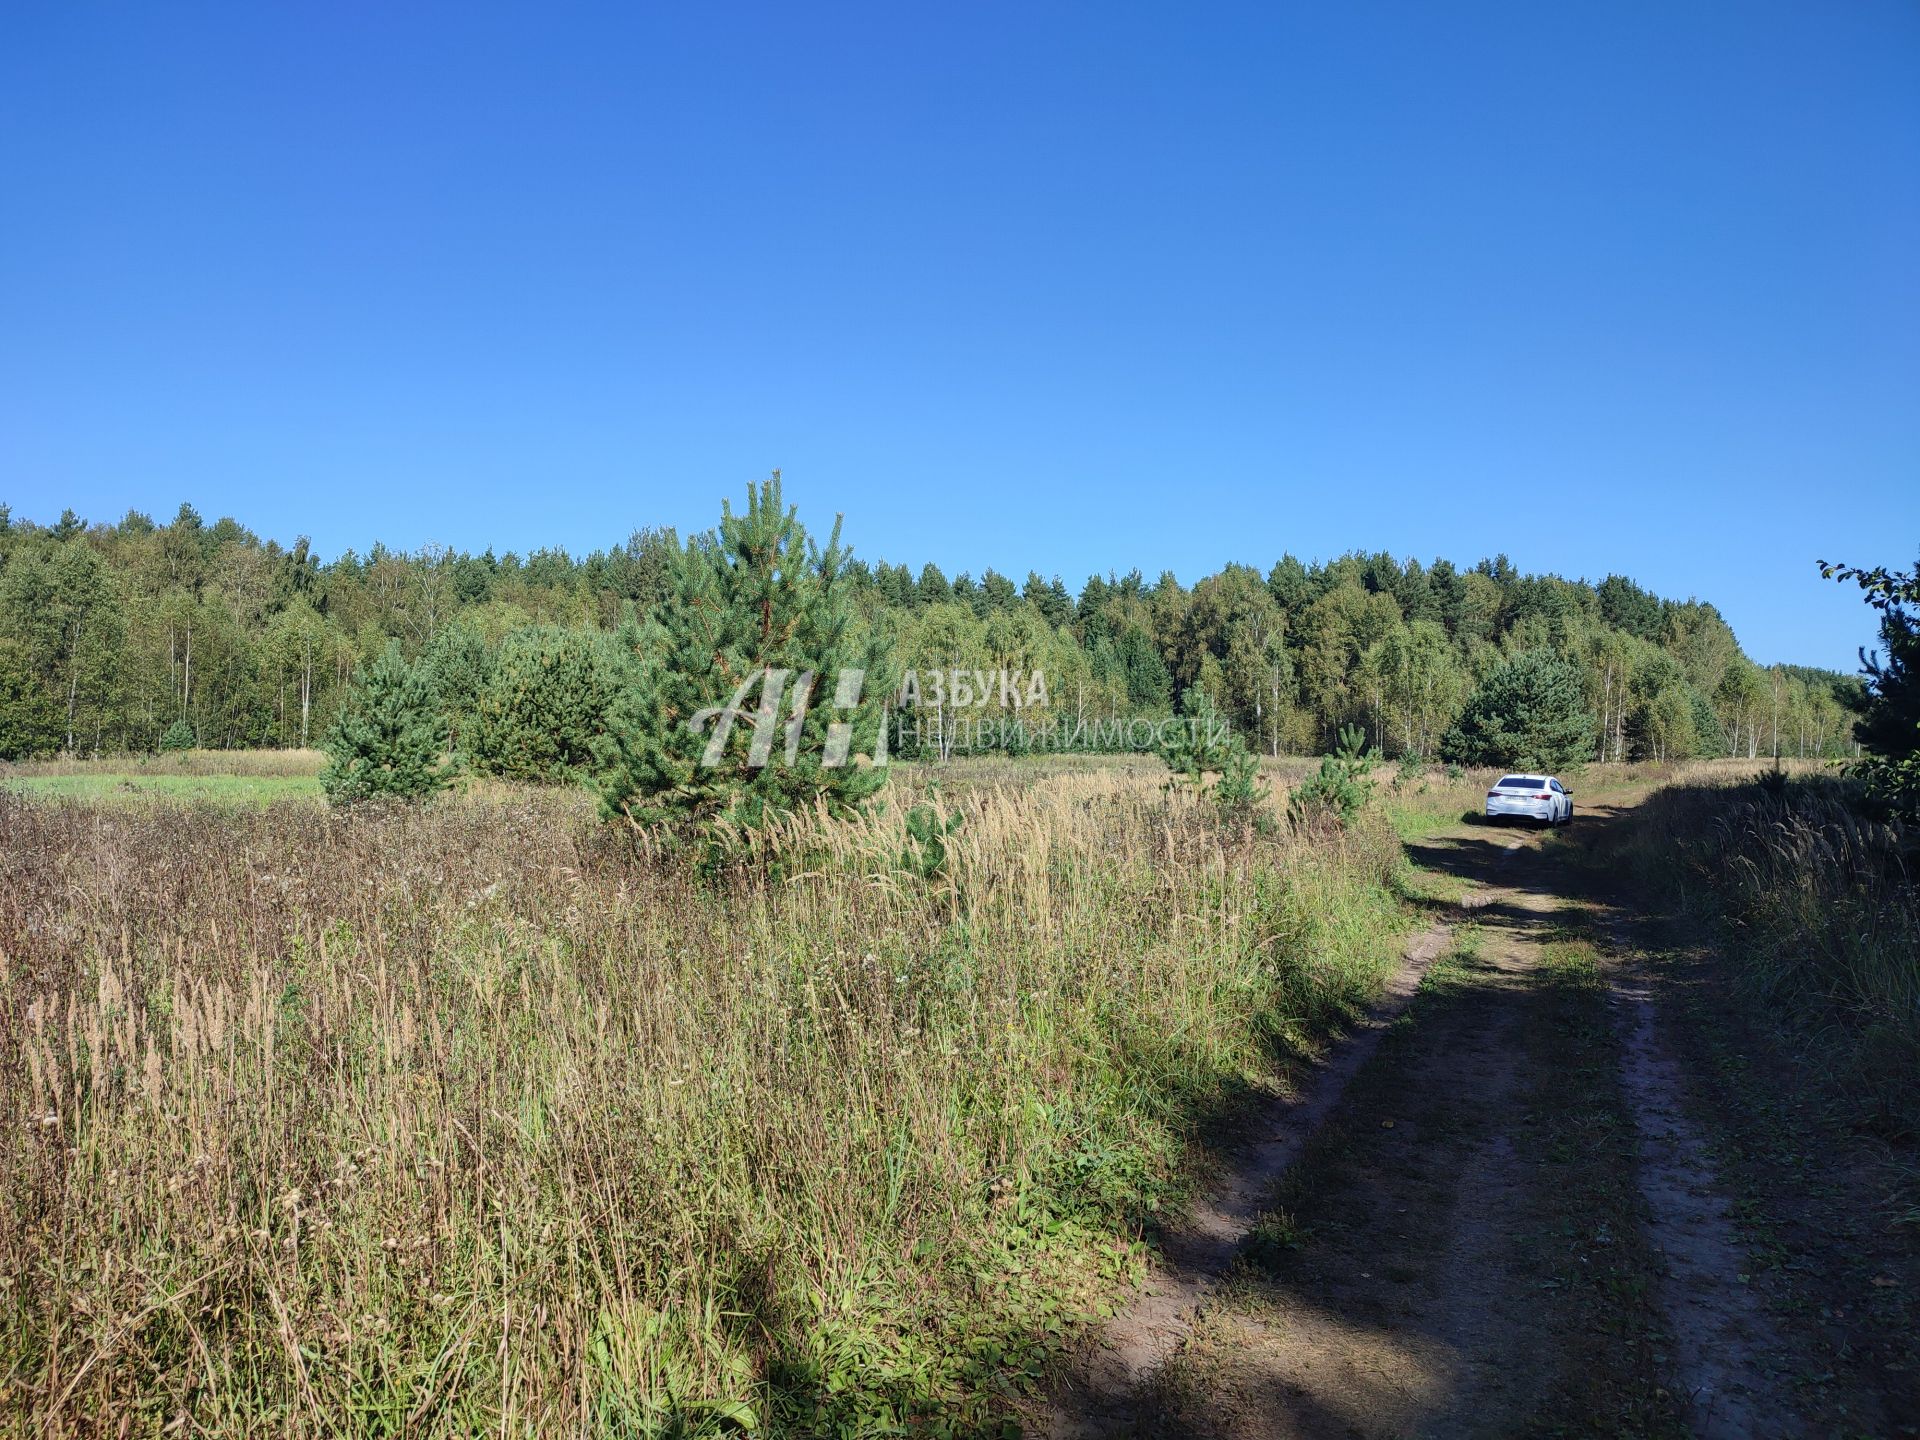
column 1543, row 795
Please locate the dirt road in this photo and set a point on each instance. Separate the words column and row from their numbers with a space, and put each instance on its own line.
column 1498, row 1213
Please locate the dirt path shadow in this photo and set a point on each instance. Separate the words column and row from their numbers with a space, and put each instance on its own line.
column 1395, row 1287
column 1100, row 1395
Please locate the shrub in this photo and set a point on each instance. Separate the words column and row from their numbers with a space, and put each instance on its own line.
column 390, row 739
column 178, row 736
column 544, row 702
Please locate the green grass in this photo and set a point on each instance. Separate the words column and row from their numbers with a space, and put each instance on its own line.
column 111, row 786
column 1411, row 823
column 1431, row 803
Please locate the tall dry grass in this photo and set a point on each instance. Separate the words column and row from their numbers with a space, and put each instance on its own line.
column 473, row 1119
column 1821, row 914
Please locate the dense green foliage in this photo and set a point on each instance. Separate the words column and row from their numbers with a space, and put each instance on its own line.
column 544, row 701
column 390, row 740
column 1530, row 713
column 1890, row 728
column 760, row 697
column 29, row 720
column 117, row 631
column 459, row 664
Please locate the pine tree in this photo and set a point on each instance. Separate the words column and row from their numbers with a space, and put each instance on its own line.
column 932, row 587
column 1207, row 745
column 1343, row 783
column 1529, row 713
column 390, row 739
column 1149, row 686
column 1203, row 744
column 1240, row 792
column 1708, row 740
column 756, row 697
column 457, row 665
column 544, row 702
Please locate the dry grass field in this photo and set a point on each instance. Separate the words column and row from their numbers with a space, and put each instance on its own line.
column 471, row 1118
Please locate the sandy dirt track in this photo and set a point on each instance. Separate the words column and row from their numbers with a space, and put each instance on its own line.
column 1488, row 1214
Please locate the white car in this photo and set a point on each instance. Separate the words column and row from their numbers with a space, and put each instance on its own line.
column 1530, row 797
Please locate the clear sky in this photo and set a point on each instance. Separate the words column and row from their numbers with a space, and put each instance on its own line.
column 1624, row 286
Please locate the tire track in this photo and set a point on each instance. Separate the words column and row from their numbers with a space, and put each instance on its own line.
column 1722, row 1339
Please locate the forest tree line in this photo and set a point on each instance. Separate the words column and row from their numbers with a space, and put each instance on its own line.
column 115, row 636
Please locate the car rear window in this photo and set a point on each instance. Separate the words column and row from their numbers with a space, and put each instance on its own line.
column 1522, row 782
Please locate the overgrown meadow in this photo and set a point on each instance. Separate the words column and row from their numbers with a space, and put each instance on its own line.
column 479, row 1117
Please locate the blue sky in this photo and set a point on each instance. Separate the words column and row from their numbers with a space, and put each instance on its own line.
column 1070, row 287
